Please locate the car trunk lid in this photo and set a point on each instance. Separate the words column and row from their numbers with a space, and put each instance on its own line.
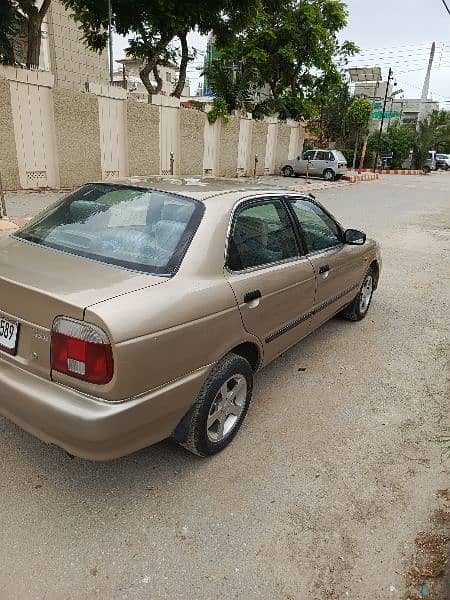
column 38, row 284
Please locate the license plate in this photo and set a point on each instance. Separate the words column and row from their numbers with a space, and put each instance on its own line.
column 9, row 335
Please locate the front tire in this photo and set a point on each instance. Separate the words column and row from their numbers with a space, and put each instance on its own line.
column 328, row 175
column 288, row 171
column 358, row 309
column 220, row 409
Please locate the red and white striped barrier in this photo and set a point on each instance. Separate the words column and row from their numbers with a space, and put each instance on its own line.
column 357, row 177
column 395, row 171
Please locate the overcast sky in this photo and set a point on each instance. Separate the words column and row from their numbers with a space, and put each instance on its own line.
column 395, row 33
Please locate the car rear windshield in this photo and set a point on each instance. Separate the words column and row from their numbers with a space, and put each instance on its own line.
column 139, row 229
column 339, row 156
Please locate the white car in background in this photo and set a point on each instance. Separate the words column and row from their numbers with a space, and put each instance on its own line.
column 443, row 161
column 329, row 164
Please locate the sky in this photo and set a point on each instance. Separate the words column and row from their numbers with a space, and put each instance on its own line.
column 390, row 33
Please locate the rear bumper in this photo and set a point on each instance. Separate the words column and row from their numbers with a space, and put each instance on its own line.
column 92, row 428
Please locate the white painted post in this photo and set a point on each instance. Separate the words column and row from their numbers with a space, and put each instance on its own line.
column 211, row 137
column 113, row 134
column 244, row 146
column 271, row 146
column 169, row 133
column 34, row 129
column 294, row 140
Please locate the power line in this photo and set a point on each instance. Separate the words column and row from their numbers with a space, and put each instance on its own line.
column 446, row 7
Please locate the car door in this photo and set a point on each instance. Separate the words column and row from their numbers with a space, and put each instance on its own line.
column 273, row 281
column 304, row 162
column 321, row 162
column 339, row 267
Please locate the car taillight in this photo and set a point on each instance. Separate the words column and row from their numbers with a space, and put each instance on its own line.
column 81, row 350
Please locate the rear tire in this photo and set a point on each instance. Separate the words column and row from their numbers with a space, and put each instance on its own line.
column 328, row 175
column 288, row 171
column 358, row 309
column 220, row 409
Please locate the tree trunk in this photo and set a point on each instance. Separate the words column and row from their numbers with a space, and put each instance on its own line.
column 356, row 150
column 34, row 40
column 363, row 156
column 34, row 34
column 145, row 77
column 183, row 65
column 159, row 81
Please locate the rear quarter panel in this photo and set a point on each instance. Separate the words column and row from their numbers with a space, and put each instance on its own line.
column 165, row 333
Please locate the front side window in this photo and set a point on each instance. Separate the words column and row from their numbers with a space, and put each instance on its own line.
column 319, row 230
column 261, row 234
column 309, row 155
column 140, row 229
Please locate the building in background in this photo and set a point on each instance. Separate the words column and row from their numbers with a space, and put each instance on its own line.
column 128, row 77
column 368, row 83
column 63, row 52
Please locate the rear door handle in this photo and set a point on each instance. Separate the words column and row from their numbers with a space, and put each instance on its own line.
column 250, row 296
column 324, row 269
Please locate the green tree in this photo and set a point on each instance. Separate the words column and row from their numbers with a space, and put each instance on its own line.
column 398, row 139
column 358, row 115
column 9, row 24
column 232, row 86
column 357, row 121
column 154, row 26
column 294, row 49
column 433, row 134
column 331, row 125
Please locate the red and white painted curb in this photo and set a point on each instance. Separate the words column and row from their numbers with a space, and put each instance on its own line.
column 395, row 171
column 357, row 177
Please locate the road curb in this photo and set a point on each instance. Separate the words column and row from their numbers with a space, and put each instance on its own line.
column 357, row 177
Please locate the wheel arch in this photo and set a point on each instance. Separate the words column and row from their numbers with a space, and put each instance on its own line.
column 376, row 270
column 251, row 352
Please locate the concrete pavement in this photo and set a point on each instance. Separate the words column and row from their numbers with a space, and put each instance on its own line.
column 322, row 493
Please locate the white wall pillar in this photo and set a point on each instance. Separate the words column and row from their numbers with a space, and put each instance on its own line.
column 34, row 126
column 271, row 146
column 244, row 146
column 211, row 137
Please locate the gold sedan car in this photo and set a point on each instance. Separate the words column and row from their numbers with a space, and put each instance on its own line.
column 135, row 311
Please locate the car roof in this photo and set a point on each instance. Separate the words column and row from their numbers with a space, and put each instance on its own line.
column 205, row 188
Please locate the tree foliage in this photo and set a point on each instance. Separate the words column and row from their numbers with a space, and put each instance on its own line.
column 233, row 87
column 398, row 139
column 358, row 115
column 294, row 49
column 331, row 122
column 433, row 134
column 153, row 26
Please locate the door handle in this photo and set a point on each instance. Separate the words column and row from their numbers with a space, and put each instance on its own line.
column 324, row 269
column 250, row 296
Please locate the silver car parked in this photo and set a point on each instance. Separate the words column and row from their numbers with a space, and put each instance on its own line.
column 329, row 164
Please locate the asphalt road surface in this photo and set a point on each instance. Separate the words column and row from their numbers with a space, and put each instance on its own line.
column 323, row 491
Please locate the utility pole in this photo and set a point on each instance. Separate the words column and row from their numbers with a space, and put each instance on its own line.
column 426, row 88
column 111, row 67
column 390, row 77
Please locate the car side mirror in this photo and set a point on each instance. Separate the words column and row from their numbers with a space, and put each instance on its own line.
column 354, row 237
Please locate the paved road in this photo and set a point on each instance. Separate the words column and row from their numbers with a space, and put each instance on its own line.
column 321, row 495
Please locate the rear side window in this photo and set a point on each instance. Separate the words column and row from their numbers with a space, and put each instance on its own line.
column 261, row 234
column 324, row 155
column 319, row 230
column 135, row 228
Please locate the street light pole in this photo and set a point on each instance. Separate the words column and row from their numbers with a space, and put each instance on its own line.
column 390, row 76
column 111, row 76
